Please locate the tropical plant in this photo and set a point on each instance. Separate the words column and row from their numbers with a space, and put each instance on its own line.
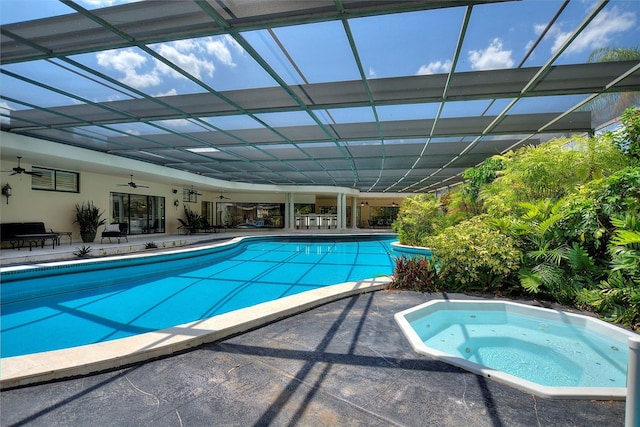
column 150, row 245
column 415, row 273
column 610, row 105
column 618, row 297
column 586, row 215
column 475, row 255
column 457, row 207
column 478, row 176
column 551, row 170
column 627, row 136
column 419, row 216
column 82, row 252
column 193, row 220
column 89, row 217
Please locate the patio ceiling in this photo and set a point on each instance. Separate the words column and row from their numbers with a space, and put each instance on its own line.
column 312, row 92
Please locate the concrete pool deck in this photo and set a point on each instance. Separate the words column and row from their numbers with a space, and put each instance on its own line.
column 343, row 363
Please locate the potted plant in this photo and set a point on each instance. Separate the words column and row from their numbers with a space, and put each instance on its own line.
column 193, row 221
column 89, row 218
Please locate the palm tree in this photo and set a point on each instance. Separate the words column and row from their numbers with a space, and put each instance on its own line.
column 609, row 106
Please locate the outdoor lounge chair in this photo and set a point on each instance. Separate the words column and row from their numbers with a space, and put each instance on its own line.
column 117, row 230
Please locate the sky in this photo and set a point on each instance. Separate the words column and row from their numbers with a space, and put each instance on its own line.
column 405, row 44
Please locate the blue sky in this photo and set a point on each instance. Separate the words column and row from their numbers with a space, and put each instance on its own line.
column 498, row 36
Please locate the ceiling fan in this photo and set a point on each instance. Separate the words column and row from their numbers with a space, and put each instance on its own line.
column 222, row 197
column 132, row 184
column 192, row 191
column 20, row 170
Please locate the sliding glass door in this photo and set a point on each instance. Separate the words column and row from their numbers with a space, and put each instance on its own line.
column 144, row 214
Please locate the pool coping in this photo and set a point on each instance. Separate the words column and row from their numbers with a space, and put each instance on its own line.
column 596, row 393
column 51, row 365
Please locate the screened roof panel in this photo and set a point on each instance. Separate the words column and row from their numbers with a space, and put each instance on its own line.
column 384, row 96
column 336, row 165
column 368, row 163
column 328, row 94
column 390, row 52
column 325, row 151
column 258, row 136
column 249, row 153
column 452, row 148
column 408, row 88
column 368, row 151
column 405, row 150
column 434, row 161
column 277, row 166
column 247, row 166
column 496, row 145
column 330, row 45
column 305, row 165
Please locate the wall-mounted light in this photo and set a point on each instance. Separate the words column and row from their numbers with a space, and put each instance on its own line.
column 7, row 191
column 176, row 202
column 174, row 191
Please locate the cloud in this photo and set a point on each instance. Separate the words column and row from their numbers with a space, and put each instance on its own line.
column 196, row 57
column 5, row 109
column 599, row 32
column 220, row 50
column 183, row 54
column 105, row 3
column 129, row 62
column 372, row 73
column 539, row 28
column 176, row 123
column 491, row 58
column 435, row 68
column 98, row 3
column 170, row 92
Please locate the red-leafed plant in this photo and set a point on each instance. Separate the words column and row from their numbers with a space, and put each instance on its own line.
column 416, row 274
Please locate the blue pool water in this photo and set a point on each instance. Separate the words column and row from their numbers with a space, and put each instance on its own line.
column 542, row 351
column 66, row 307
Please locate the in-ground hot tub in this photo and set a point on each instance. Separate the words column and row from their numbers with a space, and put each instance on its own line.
column 546, row 352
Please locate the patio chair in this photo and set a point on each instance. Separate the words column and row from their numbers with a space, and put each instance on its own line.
column 117, row 230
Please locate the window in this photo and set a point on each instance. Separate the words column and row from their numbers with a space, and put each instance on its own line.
column 55, row 180
column 189, row 195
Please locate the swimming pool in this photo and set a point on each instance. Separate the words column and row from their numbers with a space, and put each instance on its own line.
column 288, row 274
column 547, row 352
column 54, row 308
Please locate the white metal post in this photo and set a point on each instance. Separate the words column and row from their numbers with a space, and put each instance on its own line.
column 632, row 410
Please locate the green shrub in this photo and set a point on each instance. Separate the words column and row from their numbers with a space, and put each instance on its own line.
column 475, row 178
column 618, row 297
column 414, row 273
column 475, row 255
column 551, row 170
column 627, row 137
column 419, row 216
column 587, row 214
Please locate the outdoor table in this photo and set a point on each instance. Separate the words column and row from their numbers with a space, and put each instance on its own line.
column 63, row 233
column 38, row 238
